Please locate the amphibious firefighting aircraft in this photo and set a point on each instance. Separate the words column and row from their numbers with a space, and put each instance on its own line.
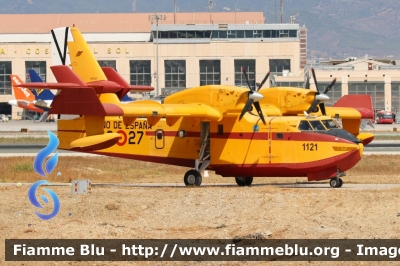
column 207, row 127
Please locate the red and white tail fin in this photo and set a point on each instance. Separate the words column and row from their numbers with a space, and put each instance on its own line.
column 21, row 94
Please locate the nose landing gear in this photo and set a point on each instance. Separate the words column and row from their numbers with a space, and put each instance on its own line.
column 337, row 181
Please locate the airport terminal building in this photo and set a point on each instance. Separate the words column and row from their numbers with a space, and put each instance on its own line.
column 167, row 51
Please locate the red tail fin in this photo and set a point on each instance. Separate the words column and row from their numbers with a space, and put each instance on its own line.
column 113, row 75
column 360, row 102
column 23, row 94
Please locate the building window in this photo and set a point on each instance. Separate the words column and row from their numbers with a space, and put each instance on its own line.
column 140, row 72
column 250, row 66
column 210, row 72
column 293, row 33
column 276, row 66
column 183, row 34
column 108, row 63
column 38, row 66
column 175, row 73
column 5, row 81
column 290, row 84
column 376, row 90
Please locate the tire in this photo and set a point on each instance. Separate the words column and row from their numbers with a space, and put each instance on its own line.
column 335, row 184
column 192, row 178
column 244, row 181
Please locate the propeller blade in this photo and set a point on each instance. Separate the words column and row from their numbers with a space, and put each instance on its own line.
column 246, row 108
column 264, row 80
column 315, row 103
column 258, row 108
column 315, row 79
column 322, row 108
column 247, row 79
column 330, row 86
column 307, row 85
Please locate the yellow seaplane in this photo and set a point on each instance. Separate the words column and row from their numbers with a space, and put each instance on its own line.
column 209, row 127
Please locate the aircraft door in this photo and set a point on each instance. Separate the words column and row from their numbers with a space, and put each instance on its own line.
column 159, row 139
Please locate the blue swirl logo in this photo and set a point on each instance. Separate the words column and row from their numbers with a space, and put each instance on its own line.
column 42, row 155
column 45, row 169
column 35, row 202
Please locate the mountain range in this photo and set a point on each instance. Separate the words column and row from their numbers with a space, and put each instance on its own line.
column 336, row 28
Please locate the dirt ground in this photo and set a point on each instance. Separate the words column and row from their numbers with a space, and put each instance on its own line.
column 205, row 213
column 208, row 212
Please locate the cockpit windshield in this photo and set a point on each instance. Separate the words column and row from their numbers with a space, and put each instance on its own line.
column 317, row 125
column 304, row 125
column 330, row 124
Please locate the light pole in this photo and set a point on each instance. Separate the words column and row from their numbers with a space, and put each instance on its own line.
column 156, row 17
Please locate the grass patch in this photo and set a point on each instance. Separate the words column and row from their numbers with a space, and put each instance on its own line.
column 23, row 167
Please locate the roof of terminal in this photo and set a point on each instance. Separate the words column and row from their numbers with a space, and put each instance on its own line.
column 117, row 22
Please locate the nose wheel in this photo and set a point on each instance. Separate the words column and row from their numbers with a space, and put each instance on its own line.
column 336, row 182
column 192, row 178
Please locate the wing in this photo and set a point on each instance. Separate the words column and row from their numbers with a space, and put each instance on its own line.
column 154, row 111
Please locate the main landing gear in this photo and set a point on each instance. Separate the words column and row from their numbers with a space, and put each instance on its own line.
column 337, row 181
column 244, row 181
column 193, row 177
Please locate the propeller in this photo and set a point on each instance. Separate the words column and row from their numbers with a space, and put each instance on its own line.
column 307, row 83
column 254, row 97
column 320, row 98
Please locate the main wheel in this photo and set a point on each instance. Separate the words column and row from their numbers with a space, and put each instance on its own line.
column 244, row 181
column 335, row 183
column 192, row 178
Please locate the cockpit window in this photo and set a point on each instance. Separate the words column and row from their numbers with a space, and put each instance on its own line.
column 316, row 124
column 330, row 124
column 304, row 125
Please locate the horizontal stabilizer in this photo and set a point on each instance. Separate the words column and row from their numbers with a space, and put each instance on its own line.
column 50, row 86
column 23, row 103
